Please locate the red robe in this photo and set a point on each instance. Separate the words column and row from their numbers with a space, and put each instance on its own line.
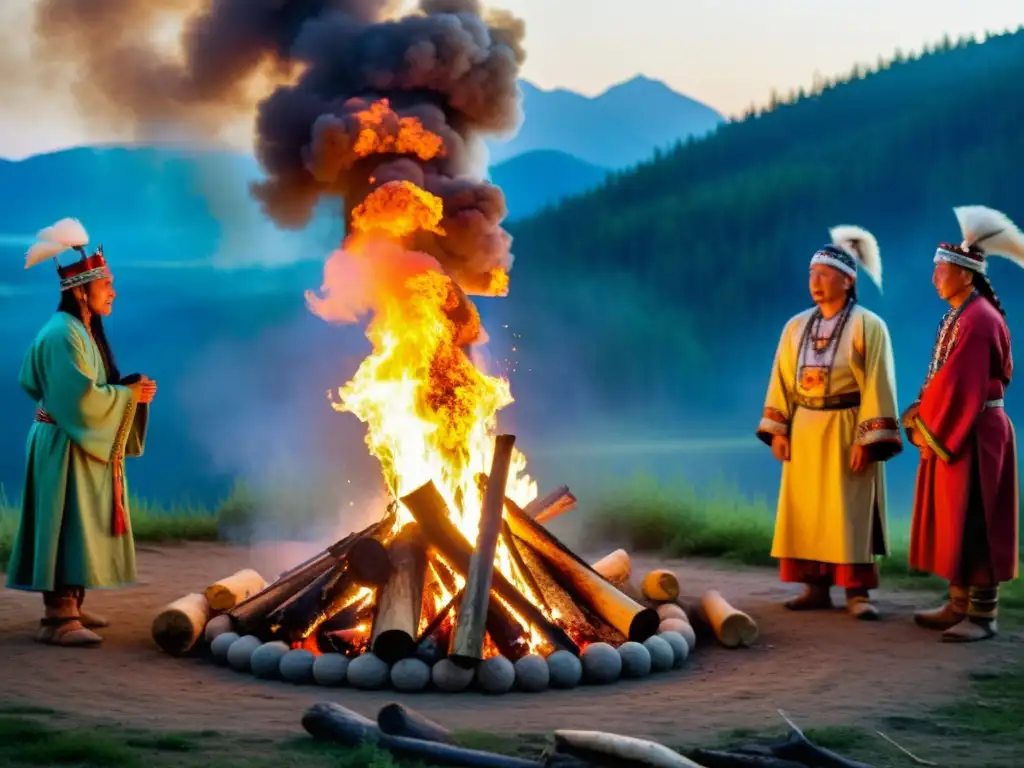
column 965, row 524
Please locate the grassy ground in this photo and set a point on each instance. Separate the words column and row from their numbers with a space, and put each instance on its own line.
column 982, row 731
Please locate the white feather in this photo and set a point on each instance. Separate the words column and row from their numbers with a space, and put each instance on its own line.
column 991, row 231
column 863, row 246
column 42, row 251
column 68, row 232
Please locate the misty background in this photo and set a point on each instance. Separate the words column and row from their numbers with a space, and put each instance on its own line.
column 651, row 280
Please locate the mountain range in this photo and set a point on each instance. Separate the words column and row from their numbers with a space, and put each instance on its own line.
column 650, row 303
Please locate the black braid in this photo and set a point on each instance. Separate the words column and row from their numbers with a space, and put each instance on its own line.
column 851, row 292
column 984, row 287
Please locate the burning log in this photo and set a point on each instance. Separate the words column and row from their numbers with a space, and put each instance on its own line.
column 635, row 621
column 236, row 588
column 467, row 644
column 396, row 720
column 545, row 508
column 332, row 722
column 178, row 627
column 612, row 749
column 365, row 563
column 429, row 509
column 400, row 601
column 432, row 644
column 732, row 627
column 250, row 616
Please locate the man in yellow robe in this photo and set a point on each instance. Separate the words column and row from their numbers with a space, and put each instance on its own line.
column 831, row 418
column 75, row 531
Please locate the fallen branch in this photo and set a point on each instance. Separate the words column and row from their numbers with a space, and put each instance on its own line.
column 801, row 749
column 328, row 721
column 906, row 752
column 397, row 720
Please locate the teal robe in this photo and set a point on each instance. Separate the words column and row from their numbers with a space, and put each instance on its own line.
column 65, row 535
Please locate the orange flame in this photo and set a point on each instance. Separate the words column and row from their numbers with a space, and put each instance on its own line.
column 382, row 131
column 398, row 209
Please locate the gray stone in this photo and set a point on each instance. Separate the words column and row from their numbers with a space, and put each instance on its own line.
column 297, row 666
column 565, row 668
column 216, row 627
column 601, row 664
column 368, row 672
column 241, row 651
column 671, row 611
column 682, row 627
column 662, row 656
column 219, row 646
column 636, row 660
column 450, row 677
column 266, row 660
column 680, row 648
column 532, row 673
column 496, row 675
column 410, row 675
column 330, row 669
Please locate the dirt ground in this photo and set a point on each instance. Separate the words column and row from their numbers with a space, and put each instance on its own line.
column 823, row 669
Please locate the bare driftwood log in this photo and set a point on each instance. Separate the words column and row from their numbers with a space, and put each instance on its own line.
column 328, row 721
column 616, row 566
column 661, row 586
column 178, row 627
column 732, row 627
column 225, row 594
column 250, row 616
column 467, row 644
column 611, row 749
column 635, row 621
column 545, row 508
column 397, row 720
column 429, row 509
column 400, row 601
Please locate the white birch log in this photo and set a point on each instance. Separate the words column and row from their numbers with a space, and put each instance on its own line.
column 225, row 594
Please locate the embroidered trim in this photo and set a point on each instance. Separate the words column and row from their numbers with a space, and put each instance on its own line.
column 829, row 260
column 907, row 419
column 85, row 277
column 773, row 422
column 121, row 438
column 882, row 429
column 933, row 442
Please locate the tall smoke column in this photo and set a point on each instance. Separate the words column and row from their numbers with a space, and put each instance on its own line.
column 449, row 63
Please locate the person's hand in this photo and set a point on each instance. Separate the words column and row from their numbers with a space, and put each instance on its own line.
column 926, row 451
column 143, row 390
column 780, row 447
column 859, row 458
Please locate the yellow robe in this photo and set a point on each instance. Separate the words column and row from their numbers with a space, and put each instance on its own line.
column 826, row 512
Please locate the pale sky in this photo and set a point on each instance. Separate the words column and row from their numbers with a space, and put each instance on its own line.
column 726, row 53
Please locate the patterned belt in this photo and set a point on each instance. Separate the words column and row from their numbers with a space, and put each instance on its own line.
column 43, row 417
column 998, row 403
column 828, row 403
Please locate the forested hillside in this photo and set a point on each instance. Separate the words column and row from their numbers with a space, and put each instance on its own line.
column 707, row 245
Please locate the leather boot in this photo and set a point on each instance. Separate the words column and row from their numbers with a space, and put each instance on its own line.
column 89, row 619
column 980, row 621
column 61, row 624
column 948, row 614
column 858, row 605
column 815, row 597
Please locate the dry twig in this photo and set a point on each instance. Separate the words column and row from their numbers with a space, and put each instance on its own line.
column 906, row 752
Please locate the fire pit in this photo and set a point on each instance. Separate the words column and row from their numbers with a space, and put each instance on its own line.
column 459, row 579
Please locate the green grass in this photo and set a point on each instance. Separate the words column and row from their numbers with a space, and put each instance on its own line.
column 677, row 520
column 981, row 730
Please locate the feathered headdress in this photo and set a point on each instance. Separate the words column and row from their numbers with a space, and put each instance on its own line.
column 68, row 234
column 986, row 232
column 852, row 247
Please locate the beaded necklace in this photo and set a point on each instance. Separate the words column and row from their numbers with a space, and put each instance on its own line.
column 945, row 337
column 826, row 354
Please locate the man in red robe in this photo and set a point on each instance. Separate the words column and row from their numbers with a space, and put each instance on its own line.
column 965, row 525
